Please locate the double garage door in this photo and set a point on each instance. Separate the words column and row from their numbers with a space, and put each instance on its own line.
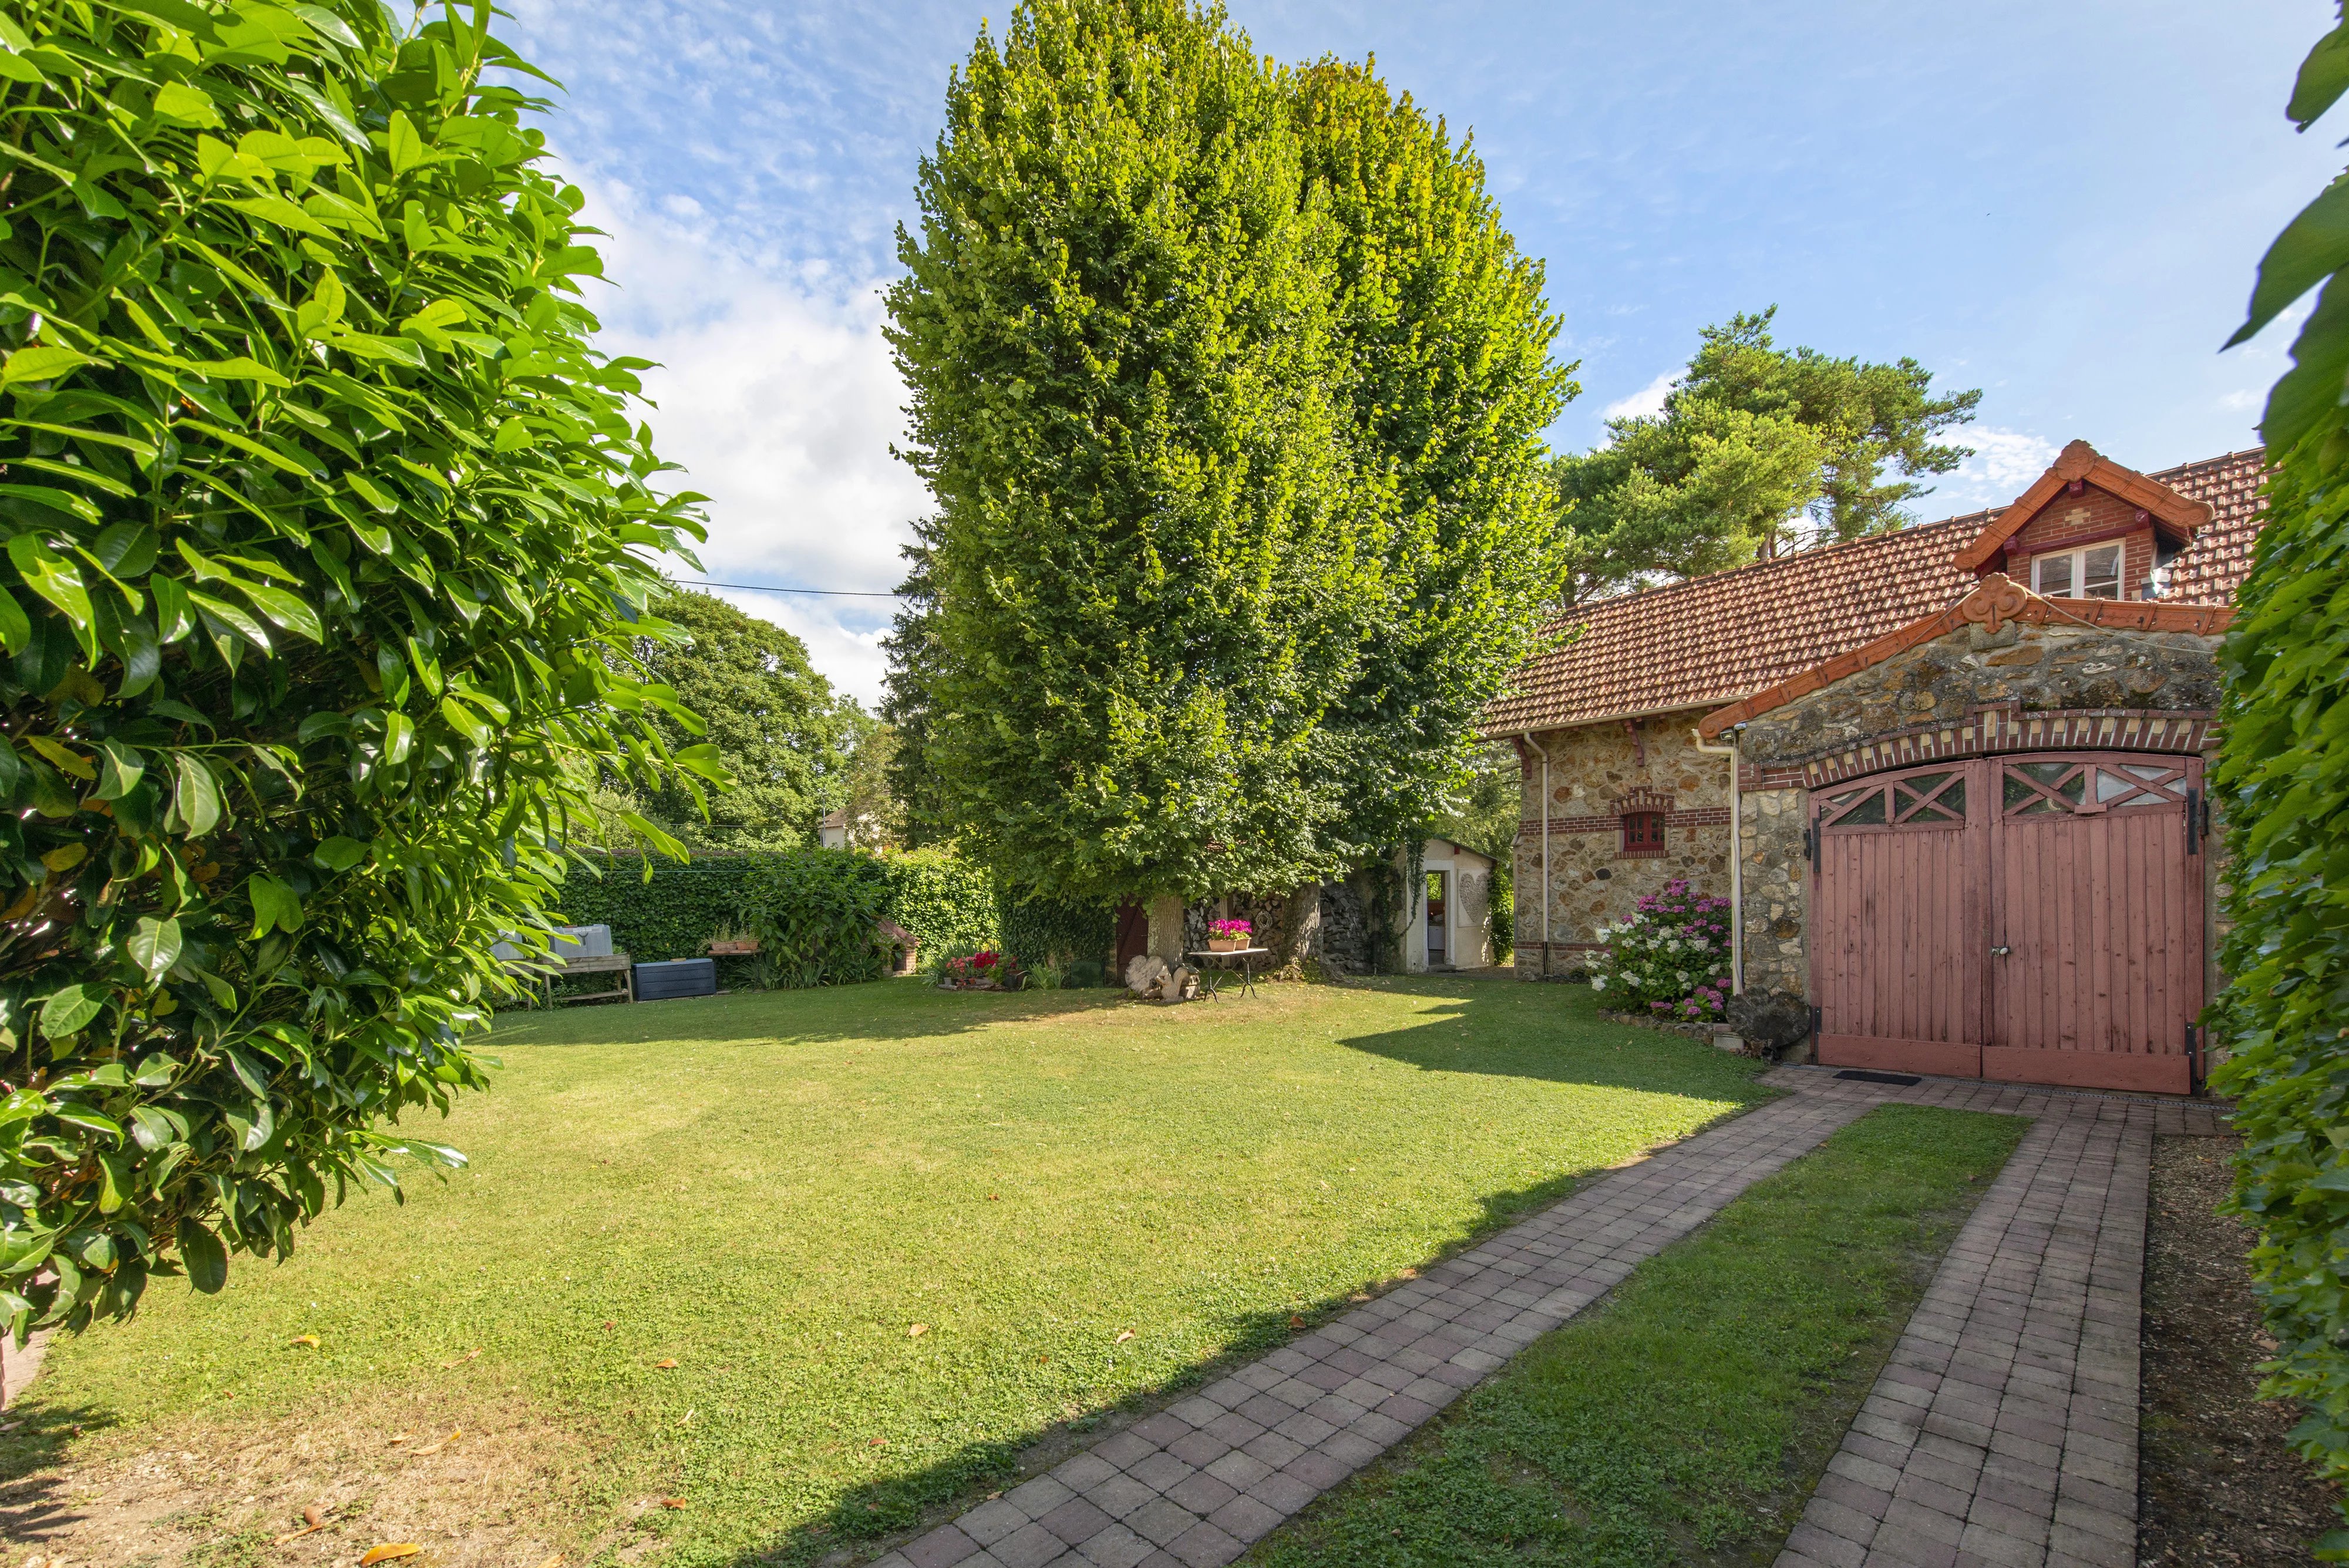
column 2035, row 919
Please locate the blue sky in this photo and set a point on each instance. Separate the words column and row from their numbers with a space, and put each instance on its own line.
column 2059, row 202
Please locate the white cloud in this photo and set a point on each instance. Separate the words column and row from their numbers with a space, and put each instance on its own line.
column 2243, row 401
column 2004, row 465
column 1645, row 403
column 776, row 393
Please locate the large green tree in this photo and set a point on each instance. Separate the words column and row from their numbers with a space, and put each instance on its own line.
column 321, row 594
column 2282, row 779
column 1228, row 383
column 1758, row 450
column 778, row 729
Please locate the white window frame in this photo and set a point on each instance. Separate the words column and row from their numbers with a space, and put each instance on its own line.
column 2079, row 571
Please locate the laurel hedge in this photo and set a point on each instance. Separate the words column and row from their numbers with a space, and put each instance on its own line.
column 2282, row 777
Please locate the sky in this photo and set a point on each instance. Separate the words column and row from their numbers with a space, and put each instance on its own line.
column 2060, row 203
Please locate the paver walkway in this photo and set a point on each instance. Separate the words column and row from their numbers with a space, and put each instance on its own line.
column 1197, row 1483
column 2003, row 1431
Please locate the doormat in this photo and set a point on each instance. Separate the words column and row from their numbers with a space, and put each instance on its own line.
column 1865, row 1076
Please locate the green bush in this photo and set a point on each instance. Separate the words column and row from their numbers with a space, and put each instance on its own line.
column 2283, row 778
column 817, row 915
column 322, row 528
column 946, row 902
column 1058, row 933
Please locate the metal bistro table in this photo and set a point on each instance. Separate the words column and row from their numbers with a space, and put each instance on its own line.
column 1212, row 973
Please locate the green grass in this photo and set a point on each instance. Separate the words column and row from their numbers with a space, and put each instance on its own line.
column 772, row 1189
column 1686, row 1419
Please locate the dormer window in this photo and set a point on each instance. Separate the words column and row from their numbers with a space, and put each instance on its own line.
column 2094, row 573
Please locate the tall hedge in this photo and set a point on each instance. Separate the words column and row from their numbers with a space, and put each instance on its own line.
column 2283, row 778
column 321, row 519
column 943, row 901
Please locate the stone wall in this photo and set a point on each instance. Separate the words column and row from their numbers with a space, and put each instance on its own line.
column 1597, row 772
column 1777, row 890
column 2035, row 669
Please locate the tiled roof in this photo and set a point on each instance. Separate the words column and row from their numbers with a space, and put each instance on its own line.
column 1713, row 640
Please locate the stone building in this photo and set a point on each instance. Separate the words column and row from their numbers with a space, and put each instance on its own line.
column 1943, row 737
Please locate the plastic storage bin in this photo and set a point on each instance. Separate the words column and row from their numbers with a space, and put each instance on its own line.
column 676, row 977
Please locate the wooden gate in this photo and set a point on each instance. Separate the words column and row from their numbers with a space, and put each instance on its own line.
column 2033, row 918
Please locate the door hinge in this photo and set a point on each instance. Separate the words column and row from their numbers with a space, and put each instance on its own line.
column 1818, row 1015
column 2193, row 1057
column 2194, row 827
column 1811, row 836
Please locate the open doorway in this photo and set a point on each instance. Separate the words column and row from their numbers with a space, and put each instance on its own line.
column 1438, row 950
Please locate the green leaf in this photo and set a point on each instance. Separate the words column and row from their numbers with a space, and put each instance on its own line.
column 41, row 364
column 2323, row 77
column 154, row 947
column 406, row 148
column 123, row 770
column 54, row 578
column 205, row 1258
column 16, row 627
column 114, row 1185
column 183, row 104
column 196, row 795
column 285, row 609
column 2311, row 247
column 69, row 1009
column 465, row 722
column 340, row 854
column 398, row 737
column 277, row 210
column 273, row 905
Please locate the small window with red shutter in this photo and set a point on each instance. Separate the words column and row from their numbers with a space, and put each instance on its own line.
column 1643, row 833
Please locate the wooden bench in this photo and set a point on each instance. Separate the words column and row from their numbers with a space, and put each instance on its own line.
column 618, row 964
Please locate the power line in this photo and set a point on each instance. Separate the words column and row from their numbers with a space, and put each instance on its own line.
column 771, row 588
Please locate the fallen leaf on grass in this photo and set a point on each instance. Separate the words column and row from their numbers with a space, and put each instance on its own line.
column 918, row 1329
column 402, row 1438
column 665, row 1365
column 462, row 1359
column 436, row 1448
column 1359, row 1297
column 672, row 1503
column 553, row 1561
column 309, row 1339
column 611, row 1322
column 386, row 1553
column 878, row 1443
column 1296, row 1322
column 1123, row 1335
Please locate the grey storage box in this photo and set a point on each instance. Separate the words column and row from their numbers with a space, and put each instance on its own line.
column 676, row 977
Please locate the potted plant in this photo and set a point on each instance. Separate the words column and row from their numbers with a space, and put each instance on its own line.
column 1228, row 936
column 981, row 972
column 726, row 942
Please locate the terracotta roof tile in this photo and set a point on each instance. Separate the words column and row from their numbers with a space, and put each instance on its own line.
column 1714, row 640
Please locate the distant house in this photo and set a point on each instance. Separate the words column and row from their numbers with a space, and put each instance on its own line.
column 833, row 830
column 1966, row 819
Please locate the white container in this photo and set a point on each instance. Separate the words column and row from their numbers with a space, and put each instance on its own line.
column 581, row 941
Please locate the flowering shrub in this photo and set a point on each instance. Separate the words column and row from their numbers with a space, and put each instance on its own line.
column 977, row 968
column 1671, row 957
column 1228, row 929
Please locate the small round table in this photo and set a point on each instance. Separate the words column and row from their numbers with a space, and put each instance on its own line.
column 1212, row 973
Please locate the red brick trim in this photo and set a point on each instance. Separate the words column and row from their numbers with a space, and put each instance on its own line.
column 2079, row 461
column 1994, row 601
column 1700, row 816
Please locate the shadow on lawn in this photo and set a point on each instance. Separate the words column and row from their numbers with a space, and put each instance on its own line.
column 1518, row 1030
column 880, row 1009
column 34, row 1505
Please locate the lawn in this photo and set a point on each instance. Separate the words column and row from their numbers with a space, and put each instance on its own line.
column 1684, row 1421
column 1082, row 1203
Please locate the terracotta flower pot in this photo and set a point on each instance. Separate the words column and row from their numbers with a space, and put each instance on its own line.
column 741, row 949
column 1226, row 944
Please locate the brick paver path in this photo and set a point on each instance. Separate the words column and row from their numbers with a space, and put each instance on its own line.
column 2003, row 1429
column 1193, row 1485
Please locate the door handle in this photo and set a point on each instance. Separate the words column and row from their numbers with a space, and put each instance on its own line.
column 2000, row 952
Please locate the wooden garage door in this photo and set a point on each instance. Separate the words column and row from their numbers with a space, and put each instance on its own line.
column 2035, row 919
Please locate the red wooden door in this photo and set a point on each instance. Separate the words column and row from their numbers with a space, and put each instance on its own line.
column 2033, row 918
column 2096, row 923
column 1896, row 951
